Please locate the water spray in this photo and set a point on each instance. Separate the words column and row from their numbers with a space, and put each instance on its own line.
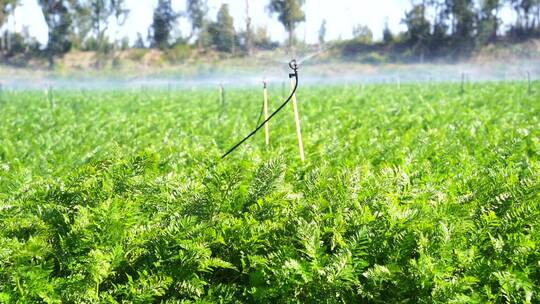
column 294, row 75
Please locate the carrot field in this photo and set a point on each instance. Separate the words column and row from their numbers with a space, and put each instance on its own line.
column 416, row 194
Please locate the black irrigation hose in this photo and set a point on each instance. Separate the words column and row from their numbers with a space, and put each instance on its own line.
column 294, row 66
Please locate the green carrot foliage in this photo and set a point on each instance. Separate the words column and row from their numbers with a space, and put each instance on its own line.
column 421, row 195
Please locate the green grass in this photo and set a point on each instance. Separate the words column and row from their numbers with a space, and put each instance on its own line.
column 416, row 195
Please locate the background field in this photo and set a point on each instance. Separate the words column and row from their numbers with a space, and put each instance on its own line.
column 419, row 194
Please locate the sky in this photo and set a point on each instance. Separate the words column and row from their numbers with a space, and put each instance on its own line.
column 341, row 16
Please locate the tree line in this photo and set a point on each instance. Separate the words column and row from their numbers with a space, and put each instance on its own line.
column 434, row 27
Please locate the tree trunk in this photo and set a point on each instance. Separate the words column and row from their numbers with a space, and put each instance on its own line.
column 50, row 50
column 538, row 20
column 199, row 40
column 8, row 40
column 234, row 43
column 496, row 30
column 249, row 42
column 291, row 39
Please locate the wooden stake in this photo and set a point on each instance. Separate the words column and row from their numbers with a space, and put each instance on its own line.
column 221, row 94
column 462, row 83
column 529, row 81
column 265, row 106
column 297, row 121
column 398, row 82
column 50, row 96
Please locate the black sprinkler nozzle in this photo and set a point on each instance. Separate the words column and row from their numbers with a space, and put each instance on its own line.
column 294, row 66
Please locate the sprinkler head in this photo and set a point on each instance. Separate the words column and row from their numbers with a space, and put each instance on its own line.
column 294, row 66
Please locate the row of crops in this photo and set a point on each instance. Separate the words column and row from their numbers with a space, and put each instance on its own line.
column 416, row 195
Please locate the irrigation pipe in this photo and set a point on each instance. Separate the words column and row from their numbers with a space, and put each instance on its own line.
column 294, row 66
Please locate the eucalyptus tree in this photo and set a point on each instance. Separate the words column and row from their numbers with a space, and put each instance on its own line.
column 463, row 17
column 527, row 21
column 249, row 31
column 120, row 13
column 196, row 11
column 322, row 32
column 488, row 21
column 81, row 22
column 164, row 19
column 222, row 31
column 418, row 28
column 290, row 14
column 387, row 35
column 58, row 19
column 100, row 12
column 7, row 7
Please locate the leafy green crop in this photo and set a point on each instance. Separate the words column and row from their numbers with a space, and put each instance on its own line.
column 417, row 195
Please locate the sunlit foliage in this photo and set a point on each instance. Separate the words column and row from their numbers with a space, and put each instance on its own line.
column 417, row 195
